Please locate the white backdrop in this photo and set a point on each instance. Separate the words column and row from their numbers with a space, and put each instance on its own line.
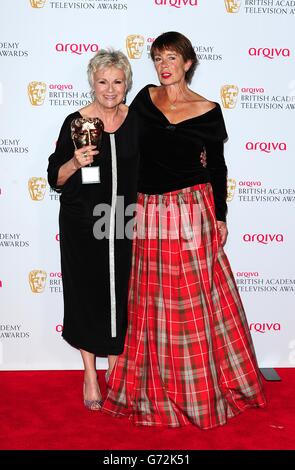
column 244, row 44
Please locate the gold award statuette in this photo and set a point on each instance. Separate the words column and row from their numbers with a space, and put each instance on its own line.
column 88, row 131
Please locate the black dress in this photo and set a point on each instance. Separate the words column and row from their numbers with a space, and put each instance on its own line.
column 95, row 268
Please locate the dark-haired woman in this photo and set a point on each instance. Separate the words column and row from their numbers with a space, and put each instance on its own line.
column 188, row 355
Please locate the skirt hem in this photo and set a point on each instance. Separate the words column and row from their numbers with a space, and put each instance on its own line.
column 181, row 425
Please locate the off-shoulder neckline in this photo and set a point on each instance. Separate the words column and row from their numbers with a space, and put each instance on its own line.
column 184, row 120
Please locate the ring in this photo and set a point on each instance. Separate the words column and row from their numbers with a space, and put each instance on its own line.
column 85, row 154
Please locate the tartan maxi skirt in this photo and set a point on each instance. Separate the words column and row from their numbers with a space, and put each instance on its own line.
column 188, row 355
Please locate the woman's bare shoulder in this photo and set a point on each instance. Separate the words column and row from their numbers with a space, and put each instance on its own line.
column 154, row 91
column 203, row 103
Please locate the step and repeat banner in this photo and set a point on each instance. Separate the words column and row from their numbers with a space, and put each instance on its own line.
column 247, row 63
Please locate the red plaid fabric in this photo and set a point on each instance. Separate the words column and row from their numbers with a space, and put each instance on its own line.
column 188, row 355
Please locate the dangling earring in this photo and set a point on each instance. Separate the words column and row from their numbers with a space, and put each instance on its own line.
column 124, row 99
column 92, row 94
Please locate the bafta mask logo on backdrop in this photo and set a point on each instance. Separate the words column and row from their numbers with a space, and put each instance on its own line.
column 231, row 187
column 37, row 3
column 37, row 188
column 37, row 280
column 229, row 96
column 37, row 92
column 134, row 46
column 232, row 6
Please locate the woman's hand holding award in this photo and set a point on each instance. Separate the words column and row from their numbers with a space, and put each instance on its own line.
column 87, row 131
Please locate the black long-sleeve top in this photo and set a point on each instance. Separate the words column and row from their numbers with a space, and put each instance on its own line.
column 176, row 156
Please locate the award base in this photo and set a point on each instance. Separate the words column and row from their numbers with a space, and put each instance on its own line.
column 90, row 174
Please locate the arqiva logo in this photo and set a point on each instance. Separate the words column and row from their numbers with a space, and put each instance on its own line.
column 252, row 90
column 269, row 53
column 247, row 274
column 264, row 327
column 266, row 147
column 263, row 238
column 250, row 184
column 60, row 86
column 177, row 3
column 75, row 48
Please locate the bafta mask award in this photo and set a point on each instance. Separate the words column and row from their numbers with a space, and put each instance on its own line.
column 88, row 131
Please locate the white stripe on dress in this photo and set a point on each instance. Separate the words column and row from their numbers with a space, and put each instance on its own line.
column 112, row 238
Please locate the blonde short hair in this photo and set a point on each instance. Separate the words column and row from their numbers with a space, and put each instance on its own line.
column 110, row 58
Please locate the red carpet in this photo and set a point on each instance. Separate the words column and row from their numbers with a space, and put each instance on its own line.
column 44, row 410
